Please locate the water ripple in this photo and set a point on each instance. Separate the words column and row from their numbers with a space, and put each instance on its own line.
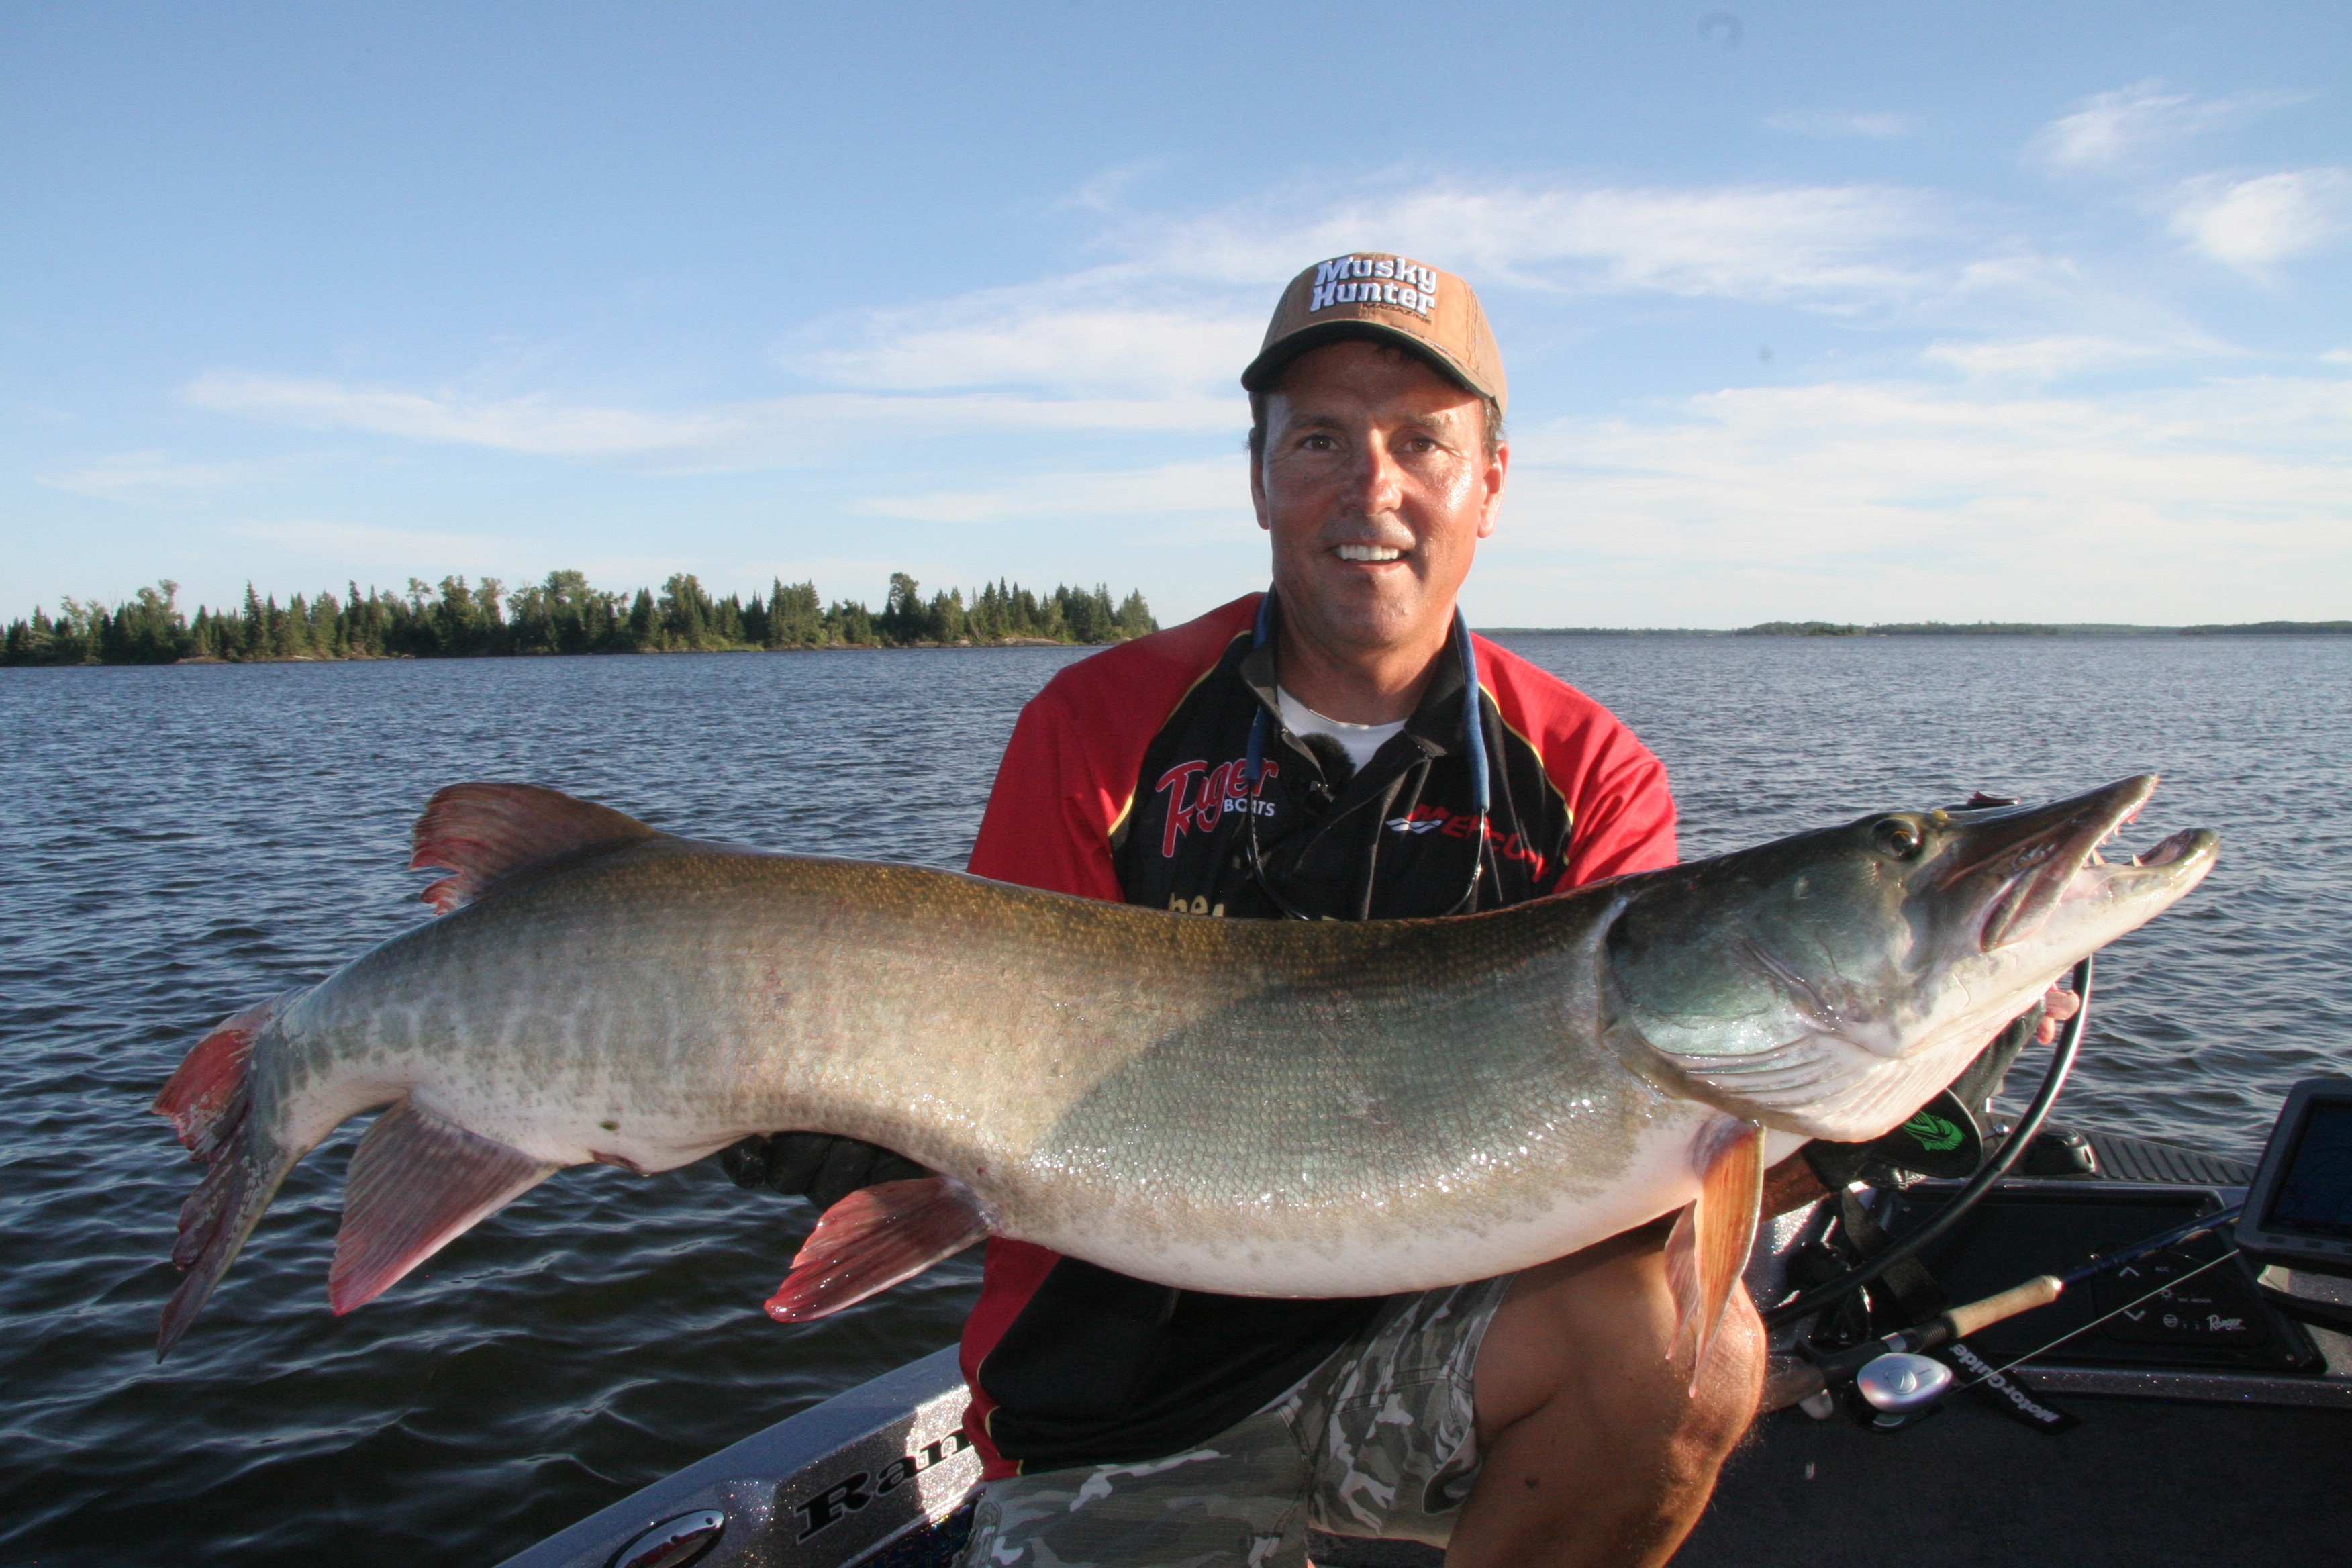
column 185, row 841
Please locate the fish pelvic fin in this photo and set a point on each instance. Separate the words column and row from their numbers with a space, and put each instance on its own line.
column 873, row 1239
column 488, row 833
column 1709, row 1245
column 416, row 1183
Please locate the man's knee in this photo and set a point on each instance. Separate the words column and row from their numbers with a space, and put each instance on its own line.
column 1596, row 1333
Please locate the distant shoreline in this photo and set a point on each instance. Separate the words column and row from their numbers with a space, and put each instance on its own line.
column 563, row 614
column 1940, row 629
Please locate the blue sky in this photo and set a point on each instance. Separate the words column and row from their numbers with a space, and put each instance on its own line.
column 1854, row 311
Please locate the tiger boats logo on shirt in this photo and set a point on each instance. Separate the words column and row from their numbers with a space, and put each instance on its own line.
column 1223, row 788
column 1374, row 281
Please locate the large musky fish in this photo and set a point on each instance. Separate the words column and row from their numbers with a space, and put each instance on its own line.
column 1257, row 1108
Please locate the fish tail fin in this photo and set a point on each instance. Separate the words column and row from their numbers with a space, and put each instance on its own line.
column 206, row 1097
column 1711, row 1238
column 210, row 1103
column 873, row 1239
column 416, row 1183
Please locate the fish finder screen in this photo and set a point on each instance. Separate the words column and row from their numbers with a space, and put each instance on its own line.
column 2315, row 1194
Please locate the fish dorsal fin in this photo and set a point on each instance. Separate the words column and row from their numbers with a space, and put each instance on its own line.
column 485, row 833
column 1711, row 1239
column 416, row 1183
column 874, row 1239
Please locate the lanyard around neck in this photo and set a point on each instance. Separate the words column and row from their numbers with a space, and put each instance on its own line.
column 1473, row 741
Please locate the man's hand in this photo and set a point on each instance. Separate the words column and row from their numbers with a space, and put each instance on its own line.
column 817, row 1166
column 2058, row 1005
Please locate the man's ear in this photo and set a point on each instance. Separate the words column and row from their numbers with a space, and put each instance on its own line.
column 1490, row 511
column 1257, row 490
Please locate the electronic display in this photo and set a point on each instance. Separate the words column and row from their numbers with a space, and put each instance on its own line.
column 2299, row 1209
column 2313, row 1196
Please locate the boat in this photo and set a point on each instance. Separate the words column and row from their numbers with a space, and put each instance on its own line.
column 2175, row 1409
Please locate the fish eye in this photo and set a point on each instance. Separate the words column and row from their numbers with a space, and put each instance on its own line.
column 1896, row 838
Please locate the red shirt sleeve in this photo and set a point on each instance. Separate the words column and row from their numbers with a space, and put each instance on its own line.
column 1051, row 811
column 1621, row 813
column 1624, row 814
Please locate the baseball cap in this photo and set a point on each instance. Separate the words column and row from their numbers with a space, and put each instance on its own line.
column 1373, row 294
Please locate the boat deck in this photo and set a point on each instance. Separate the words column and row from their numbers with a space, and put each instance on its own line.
column 2186, row 1453
column 2139, row 1484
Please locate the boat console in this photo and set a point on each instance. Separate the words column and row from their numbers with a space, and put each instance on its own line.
column 2203, row 1414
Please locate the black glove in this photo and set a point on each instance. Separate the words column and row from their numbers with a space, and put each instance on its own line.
column 817, row 1166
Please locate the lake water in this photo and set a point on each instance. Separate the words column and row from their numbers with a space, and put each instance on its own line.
column 182, row 842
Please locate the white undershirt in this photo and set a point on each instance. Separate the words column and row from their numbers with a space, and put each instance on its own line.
column 1358, row 740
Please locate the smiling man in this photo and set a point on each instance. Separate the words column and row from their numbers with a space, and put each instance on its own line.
column 1341, row 747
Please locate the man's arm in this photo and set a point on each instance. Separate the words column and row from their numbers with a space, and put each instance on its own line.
column 1625, row 817
column 818, row 1166
column 1051, row 809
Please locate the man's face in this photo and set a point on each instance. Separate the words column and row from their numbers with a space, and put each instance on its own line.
column 1376, row 487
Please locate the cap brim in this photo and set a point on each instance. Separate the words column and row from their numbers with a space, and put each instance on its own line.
column 1260, row 373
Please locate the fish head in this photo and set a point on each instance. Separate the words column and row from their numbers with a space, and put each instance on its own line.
column 1831, row 982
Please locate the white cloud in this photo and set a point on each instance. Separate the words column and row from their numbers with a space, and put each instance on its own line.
column 1215, row 486
column 1153, row 339
column 1102, row 193
column 1877, row 127
column 2035, row 359
column 1075, row 351
column 2227, row 500
column 759, row 432
column 531, row 423
column 359, row 548
column 153, row 477
column 2112, row 127
column 1183, row 306
column 1834, row 246
column 2252, row 224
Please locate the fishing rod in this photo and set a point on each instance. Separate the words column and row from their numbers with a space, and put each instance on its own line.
column 1798, row 1379
column 2062, row 1062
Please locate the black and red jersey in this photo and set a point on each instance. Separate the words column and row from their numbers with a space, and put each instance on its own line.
column 1128, row 779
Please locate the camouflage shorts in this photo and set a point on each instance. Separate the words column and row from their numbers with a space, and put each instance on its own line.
column 1378, row 1442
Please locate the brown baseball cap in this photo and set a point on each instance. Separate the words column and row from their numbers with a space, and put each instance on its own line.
column 1373, row 294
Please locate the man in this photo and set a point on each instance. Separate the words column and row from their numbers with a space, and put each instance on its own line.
column 1323, row 752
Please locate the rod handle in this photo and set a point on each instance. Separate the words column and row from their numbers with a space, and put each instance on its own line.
column 2039, row 1291
column 1787, row 1380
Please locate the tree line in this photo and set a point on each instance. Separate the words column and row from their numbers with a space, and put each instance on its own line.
column 562, row 614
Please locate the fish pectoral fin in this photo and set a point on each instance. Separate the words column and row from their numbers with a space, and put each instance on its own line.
column 485, row 833
column 416, row 1183
column 874, row 1239
column 1711, row 1238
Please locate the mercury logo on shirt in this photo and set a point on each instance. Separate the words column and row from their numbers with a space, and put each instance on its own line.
column 1374, row 281
column 1429, row 818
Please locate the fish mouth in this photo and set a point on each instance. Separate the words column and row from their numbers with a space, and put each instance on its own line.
column 2027, row 863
